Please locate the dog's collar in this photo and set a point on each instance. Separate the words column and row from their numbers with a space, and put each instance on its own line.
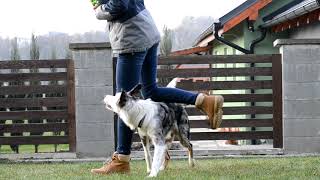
column 141, row 121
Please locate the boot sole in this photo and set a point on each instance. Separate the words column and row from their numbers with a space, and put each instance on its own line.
column 217, row 117
column 113, row 172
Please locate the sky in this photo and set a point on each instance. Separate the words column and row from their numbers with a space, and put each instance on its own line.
column 19, row 18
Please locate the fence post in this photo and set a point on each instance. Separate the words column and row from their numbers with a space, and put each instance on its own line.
column 277, row 101
column 301, row 95
column 93, row 80
column 71, row 106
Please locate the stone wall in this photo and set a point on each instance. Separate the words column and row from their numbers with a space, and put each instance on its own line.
column 301, row 94
column 93, row 80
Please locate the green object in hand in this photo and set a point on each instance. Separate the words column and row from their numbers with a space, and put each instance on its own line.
column 94, row 2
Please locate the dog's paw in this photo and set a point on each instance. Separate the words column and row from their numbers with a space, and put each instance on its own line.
column 193, row 163
column 151, row 176
column 162, row 168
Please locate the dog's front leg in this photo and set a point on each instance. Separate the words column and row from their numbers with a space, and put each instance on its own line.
column 146, row 149
column 159, row 155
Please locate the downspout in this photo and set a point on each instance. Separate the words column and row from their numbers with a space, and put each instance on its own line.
column 263, row 34
column 217, row 27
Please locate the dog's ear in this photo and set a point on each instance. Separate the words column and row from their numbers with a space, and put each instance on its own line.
column 122, row 100
column 136, row 91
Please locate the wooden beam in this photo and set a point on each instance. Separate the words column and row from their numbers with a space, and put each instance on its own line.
column 206, row 41
column 218, row 72
column 251, row 13
column 198, row 136
column 216, row 59
column 254, row 16
column 233, row 123
column 31, row 64
column 34, row 127
column 303, row 20
column 191, row 51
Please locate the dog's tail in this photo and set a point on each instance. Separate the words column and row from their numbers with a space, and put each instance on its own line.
column 173, row 83
column 183, row 122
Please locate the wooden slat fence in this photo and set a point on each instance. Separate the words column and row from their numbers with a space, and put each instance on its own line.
column 263, row 109
column 37, row 102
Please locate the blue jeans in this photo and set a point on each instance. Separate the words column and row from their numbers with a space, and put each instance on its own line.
column 141, row 67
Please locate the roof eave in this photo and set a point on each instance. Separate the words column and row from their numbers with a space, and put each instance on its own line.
column 229, row 18
column 294, row 12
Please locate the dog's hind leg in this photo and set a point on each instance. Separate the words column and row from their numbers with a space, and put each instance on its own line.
column 190, row 152
column 186, row 143
column 167, row 156
column 146, row 148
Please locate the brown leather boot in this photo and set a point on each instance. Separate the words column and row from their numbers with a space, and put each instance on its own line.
column 118, row 164
column 212, row 107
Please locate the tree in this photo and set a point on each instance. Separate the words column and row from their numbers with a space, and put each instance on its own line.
column 68, row 54
column 34, row 55
column 5, row 44
column 53, row 53
column 15, row 55
column 166, row 42
column 54, row 82
column 165, row 50
column 34, row 48
column 53, row 69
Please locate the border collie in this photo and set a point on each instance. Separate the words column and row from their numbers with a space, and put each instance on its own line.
column 156, row 122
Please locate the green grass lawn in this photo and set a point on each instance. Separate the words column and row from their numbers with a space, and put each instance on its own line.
column 44, row 148
column 219, row 168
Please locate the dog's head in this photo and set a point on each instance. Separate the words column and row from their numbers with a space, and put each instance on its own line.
column 122, row 99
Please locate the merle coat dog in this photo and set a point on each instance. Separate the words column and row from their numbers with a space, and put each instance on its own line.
column 156, row 122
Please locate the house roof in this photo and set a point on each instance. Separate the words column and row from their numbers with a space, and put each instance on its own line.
column 293, row 14
column 248, row 9
column 299, row 21
column 236, row 11
column 281, row 10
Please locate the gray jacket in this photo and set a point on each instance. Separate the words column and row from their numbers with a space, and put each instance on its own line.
column 129, row 34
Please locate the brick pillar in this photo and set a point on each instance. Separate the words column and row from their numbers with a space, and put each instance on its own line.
column 301, row 94
column 93, row 80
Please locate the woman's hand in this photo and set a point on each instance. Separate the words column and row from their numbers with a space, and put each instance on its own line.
column 101, row 14
column 95, row 7
column 110, row 9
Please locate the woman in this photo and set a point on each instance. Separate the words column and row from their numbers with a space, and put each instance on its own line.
column 135, row 38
